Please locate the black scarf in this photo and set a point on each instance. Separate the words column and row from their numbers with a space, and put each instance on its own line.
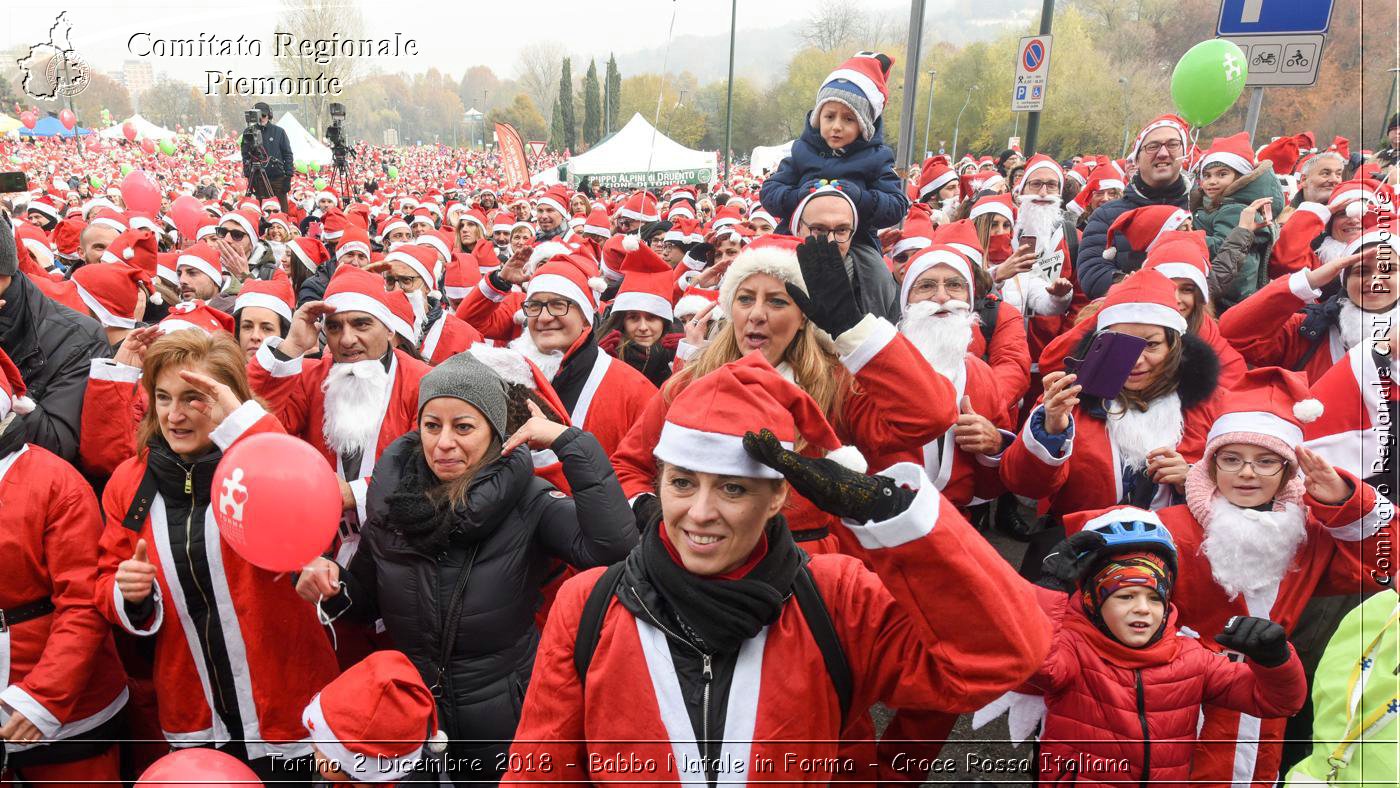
column 573, row 372
column 718, row 615
column 654, row 362
column 430, row 525
column 12, row 436
column 1173, row 193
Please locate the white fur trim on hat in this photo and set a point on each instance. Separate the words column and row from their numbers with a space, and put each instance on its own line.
column 1185, row 271
column 650, row 303
column 711, row 452
column 359, row 302
column 928, row 260
column 399, row 256
column 1138, row 312
column 1380, row 236
column 199, row 264
column 362, row 766
column 263, row 301
column 543, row 252
column 104, row 316
column 555, row 283
column 912, row 243
column 849, row 457
column 510, row 365
column 1307, row 411
column 1234, row 161
column 631, row 242
column 991, row 206
column 351, row 246
column 778, row 263
column 1258, row 422
column 690, row 305
column 241, row 221
column 937, row 183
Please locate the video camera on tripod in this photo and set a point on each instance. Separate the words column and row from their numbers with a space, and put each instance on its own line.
column 340, row 152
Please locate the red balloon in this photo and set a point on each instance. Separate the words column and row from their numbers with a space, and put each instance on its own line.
column 68, row 119
column 198, row 767
column 140, row 193
column 129, row 131
column 187, row 213
column 29, row 119
column 149, row 146
column 276, row 501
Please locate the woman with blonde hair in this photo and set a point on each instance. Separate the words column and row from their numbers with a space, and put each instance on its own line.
column 795, row 305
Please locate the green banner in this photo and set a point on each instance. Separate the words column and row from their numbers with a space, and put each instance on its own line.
column 648, row 180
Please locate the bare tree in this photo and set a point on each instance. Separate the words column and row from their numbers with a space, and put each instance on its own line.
column 884, row 29
column 834, row 25
column 316, row 20
column 540, row 64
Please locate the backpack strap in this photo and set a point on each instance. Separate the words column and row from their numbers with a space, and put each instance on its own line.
column 140, row 507
column 814, row 609
column 590, row 624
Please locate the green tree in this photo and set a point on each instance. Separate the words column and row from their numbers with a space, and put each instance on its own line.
column 566, row 107
column 556, row 128
column 612, row 88
column 592, row 105
column 522, row 114
column 682, row 120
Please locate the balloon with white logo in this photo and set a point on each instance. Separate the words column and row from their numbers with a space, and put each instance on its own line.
column 1208, row 79
column 276, row 501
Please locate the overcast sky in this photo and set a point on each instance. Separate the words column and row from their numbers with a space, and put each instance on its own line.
column 450, row 36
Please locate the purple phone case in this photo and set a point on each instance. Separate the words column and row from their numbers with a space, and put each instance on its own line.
column 1107, row 363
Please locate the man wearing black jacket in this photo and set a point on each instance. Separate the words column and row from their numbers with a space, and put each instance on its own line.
column 279, row 159
column 52, row 346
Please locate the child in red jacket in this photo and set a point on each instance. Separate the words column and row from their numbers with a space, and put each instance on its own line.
column 1123, row 686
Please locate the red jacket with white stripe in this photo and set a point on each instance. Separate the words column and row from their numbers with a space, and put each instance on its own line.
column 895, row 403
column 113, row 407
column 279, row 654
column 906, row 638
column 61, row 670
column 492, row 312
column 1009, row 356
column 1264, row 327
column 1344, row 548
column 447, row 337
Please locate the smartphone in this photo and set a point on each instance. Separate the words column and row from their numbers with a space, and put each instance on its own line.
column 1107, row 363
column 13, row 182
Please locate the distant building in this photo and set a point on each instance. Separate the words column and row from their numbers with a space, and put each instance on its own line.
column 138, row 77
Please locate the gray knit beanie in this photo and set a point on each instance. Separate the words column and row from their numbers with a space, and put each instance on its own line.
column 9, row 254
column 463, row 377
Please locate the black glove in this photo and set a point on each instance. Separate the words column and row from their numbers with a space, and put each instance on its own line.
column 833, row 488
column 1062, row 569
column 646, row 510
column 829, row 302
column 1257, row 638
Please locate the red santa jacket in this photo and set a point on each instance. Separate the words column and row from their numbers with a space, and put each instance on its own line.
column 113, row 407
column 281, row 655
column 492, row 312
column 292, row 391
column 895, row 403
column 1293, row 251
column 1344, row 546
column 1232, row 366
column 1116, row 715
column 1264, row 328
column 1009, row 356
column 447, row 337
column 907, row 641
column 1088, row 473
column 60, row 670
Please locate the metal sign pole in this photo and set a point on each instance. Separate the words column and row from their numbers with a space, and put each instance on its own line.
column 911, row 86
column 1047, row 16
column 1251, row 118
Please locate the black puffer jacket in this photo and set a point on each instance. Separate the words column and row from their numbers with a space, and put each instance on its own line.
column 52, row 346
column 510, row 525
column 1096, row 274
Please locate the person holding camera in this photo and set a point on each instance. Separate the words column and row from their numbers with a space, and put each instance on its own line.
column 267, row 157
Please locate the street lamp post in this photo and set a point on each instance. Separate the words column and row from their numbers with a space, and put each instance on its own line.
column 957, row 124
column 928, row 116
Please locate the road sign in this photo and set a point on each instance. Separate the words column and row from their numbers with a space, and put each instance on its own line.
column 536, row 148
column 1032, row 74
column 1263, row 17
column 1282, row 60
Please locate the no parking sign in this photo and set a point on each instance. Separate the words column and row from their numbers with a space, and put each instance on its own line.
column 1032, row 74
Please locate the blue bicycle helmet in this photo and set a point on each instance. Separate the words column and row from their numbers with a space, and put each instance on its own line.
column 1128, row 528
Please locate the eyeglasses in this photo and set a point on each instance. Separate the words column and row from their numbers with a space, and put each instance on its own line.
column 237, row 235
column 1264, row 466
column 557, row 307
column 404, row 283
column 1042, row 186
column 1153, row 148
column 838, row 234
column 927, row 287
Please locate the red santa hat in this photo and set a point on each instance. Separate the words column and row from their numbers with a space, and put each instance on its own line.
column 647, row 281
column 279, row 219
column 352, row 239
column 1167, row 121
column 136, row 248
column 422, row 258
column 706, row 423
column 274, row 294
column 203, row 258
column 67, row 237
column 389, row 225
column 1267, row 408
column 197, row 315
column 1377, row 227
column 462, row 273
column 376, row 720
column 938, row 254
column 726, row 215
column 1283, row 152
column 962, row 237
column 761, row 214
column 1232, row 151
column 310, row 253
column 686, row 231
column 1137, row 230
column 640, row 207
column 859, row 84
column 680, row 210
column 1356, row 196
column 246, row 221
column 207, row 227
column 1100, row 179
column 1352, row 433
column 693, row 300
column 1145, row 296
column 166, row 263
column 106, row 217
column 271, row 204
column 111, row 292
column 354, row 289
column 334, row 223
column 598, row 224
column 555, row 197
column 44, row 205
column 1003, row 204
column 12, row 389
column 570, row 275
column 1182, row 255
column 917, row 231
column 1040, row 162
column 824, row 189
column 476, row 217
column 440, row 241
column 502, row 222
column 422, row 216
column 934, row 175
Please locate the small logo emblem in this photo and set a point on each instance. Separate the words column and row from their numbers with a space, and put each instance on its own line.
column 53, row 69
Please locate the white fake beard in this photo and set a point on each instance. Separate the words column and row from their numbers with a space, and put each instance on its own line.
column 949, row 207
column 547, row 362
column 942, row 341
column 356, row 395
column 1135, row 432
column 1330, row 249
column 419, row 302
column 1251, row 550
column 1356, row 324
column 1039, row 218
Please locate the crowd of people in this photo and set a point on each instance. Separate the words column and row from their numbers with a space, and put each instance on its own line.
column 679, row 484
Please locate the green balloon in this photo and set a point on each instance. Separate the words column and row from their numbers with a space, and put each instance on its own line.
column 470, row 170
column 393, row 173
column 319, row 183
column 1208, row 79
column 209, row 158
column 126, row 169
column 95, row 182
column 300, row 167
column 167, row 147
column 313, row 167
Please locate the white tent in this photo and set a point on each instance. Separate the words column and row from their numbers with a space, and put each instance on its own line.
column 304, row 146
column 767, row 157
column 639, row 156
column 145, row 130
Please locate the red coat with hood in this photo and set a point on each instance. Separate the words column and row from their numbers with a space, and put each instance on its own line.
column 879, row 369
column 1008, row 354
column 278, row 653
column 906, row 639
